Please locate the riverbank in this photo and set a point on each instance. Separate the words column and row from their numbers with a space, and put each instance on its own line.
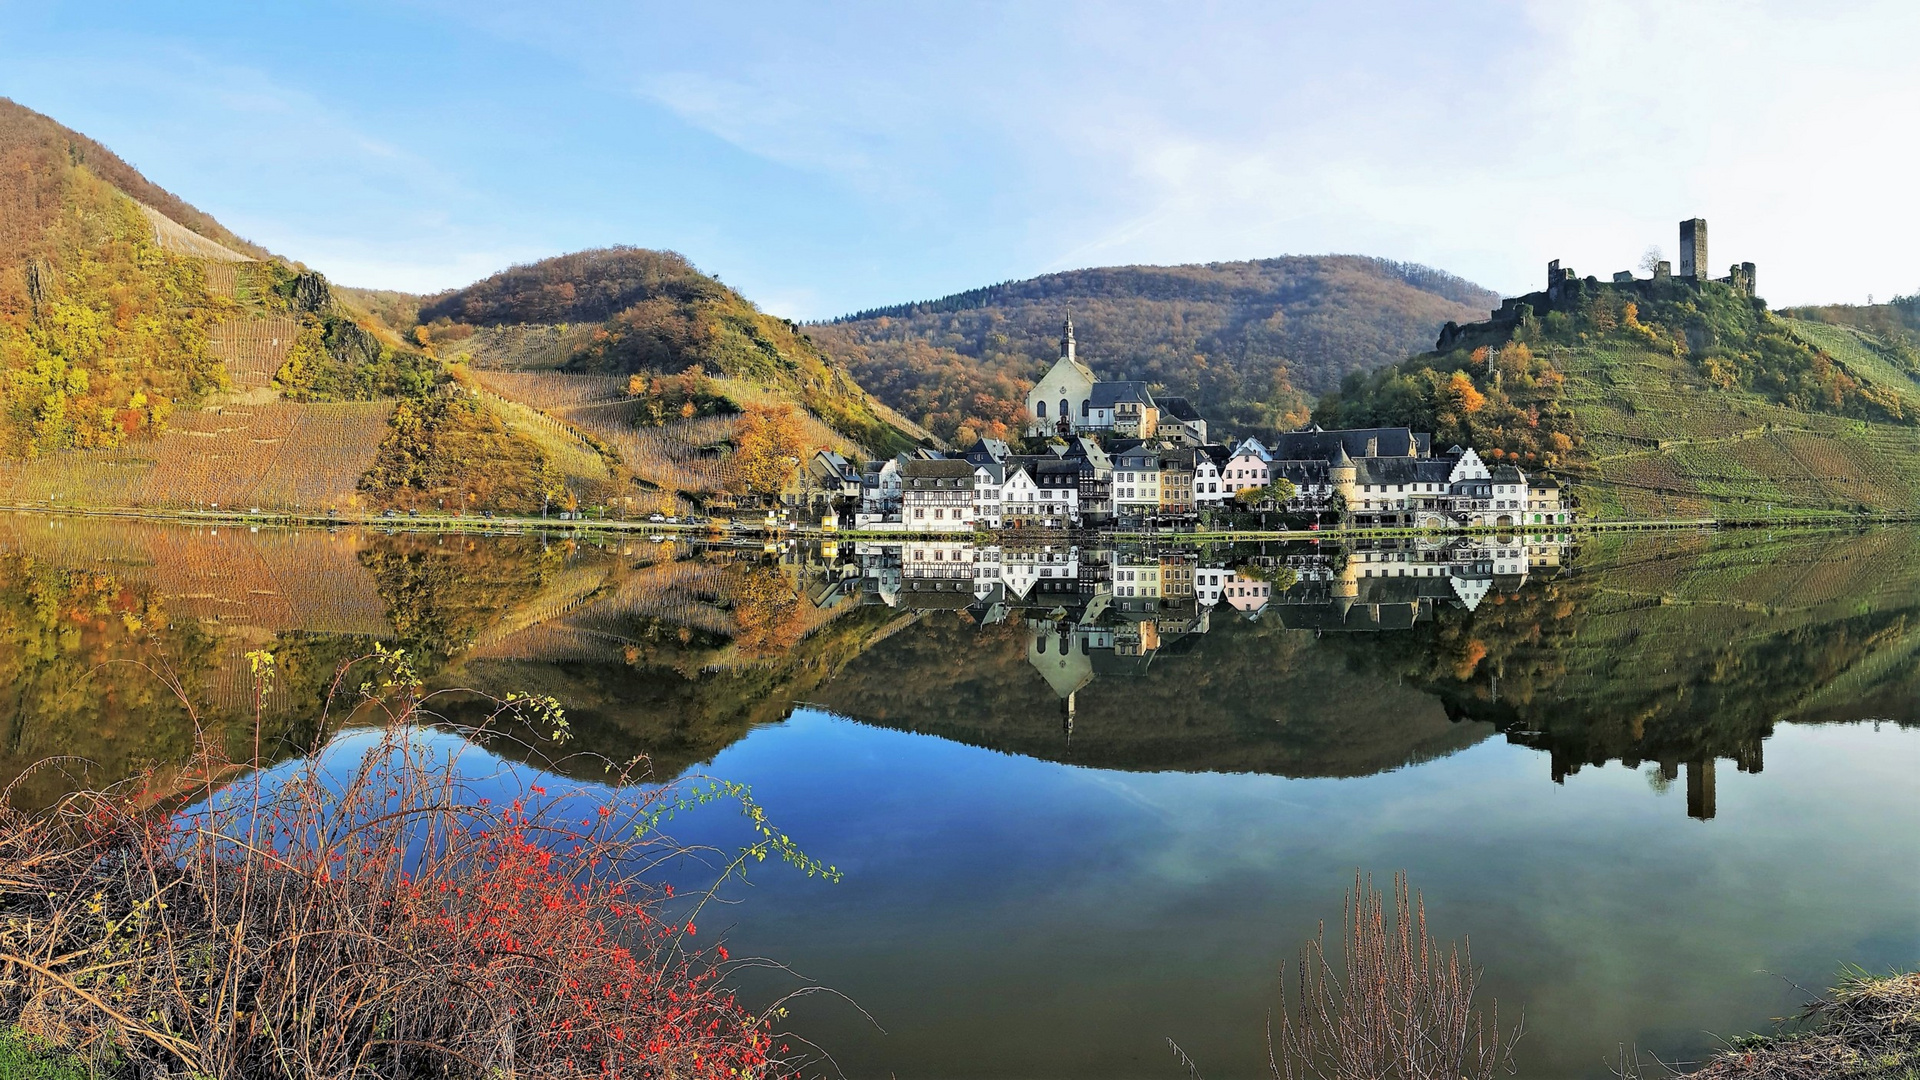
column 1865, row 1028
column 751, row 528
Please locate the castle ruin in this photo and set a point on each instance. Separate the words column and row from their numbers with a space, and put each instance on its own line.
column 1565, row 287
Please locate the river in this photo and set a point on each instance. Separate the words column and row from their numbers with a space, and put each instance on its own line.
column 1090, row 800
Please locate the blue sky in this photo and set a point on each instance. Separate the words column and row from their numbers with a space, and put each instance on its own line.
column 824, row 158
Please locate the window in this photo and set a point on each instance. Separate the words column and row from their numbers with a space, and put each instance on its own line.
column 1085, row 407
column 1063, row 409
column 919, row 512
column 1042, row 406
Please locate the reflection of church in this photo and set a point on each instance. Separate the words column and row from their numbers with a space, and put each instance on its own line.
column 1101, row 611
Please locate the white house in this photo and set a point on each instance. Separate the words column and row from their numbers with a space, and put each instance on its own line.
column 988, row 479
column 1023, row 568
column 1136, row 578
column 1209, row 490
column 1136, row 480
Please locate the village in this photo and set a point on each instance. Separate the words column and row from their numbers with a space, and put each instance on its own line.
column 1116, row 456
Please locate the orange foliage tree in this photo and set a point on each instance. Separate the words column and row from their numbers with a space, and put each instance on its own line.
column 769, row 446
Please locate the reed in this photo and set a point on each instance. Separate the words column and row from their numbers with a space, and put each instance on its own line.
column 1399, row 1006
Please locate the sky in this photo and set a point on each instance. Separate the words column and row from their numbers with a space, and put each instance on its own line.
column 824, row 158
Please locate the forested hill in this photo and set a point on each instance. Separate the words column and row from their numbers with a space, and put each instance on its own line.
column 1251, row 343
column 630, row 311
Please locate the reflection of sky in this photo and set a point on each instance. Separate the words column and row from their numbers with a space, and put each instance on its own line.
column 1002, row 916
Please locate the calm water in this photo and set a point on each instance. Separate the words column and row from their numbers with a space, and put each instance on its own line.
column 1654, row 778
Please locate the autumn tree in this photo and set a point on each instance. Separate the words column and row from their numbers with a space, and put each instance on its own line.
column 769, row 446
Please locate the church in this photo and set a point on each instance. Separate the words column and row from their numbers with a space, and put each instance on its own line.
column 1070, row 399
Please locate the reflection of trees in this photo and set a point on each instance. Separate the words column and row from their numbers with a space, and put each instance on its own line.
column 443, row 593
column 1247, row 697
column 86, row 655
column 1678, row 650
column 769, row 613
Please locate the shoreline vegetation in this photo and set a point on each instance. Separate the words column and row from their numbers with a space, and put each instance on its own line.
column 376, row 911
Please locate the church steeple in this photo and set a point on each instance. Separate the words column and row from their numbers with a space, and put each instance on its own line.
column 1066, row 340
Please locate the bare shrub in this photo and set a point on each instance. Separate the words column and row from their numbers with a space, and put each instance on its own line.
column 368, row 913
column 1399, row 1007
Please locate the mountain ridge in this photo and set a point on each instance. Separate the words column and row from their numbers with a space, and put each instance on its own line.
column 1248, row 342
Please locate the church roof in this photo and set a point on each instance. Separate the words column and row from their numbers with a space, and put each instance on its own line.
column 1076, row 367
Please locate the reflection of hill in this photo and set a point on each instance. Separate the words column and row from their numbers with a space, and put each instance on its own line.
column 1682, row 649
column 663, row 703
column 1247, row 697
column 277, row 579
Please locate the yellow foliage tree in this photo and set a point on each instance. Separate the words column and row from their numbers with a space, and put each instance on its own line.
column 769, row 446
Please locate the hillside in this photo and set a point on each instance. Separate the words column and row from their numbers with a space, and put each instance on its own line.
column 1249, row 343
column 153, row 358
column 626, row 311
column 1664, row 398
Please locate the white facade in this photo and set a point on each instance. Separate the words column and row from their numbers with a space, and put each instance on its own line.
column 986, row 498
column 1136, row 490
column 1136, row 578
column 1208, row 488
column 1022, row 568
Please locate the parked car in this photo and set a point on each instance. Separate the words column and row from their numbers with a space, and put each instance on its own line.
column 656, row 517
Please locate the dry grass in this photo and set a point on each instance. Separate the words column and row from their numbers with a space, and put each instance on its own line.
column 367, row 914
column 1866, row 1028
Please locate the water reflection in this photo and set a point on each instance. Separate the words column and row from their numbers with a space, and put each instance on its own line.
column 1239, row 724
column 1679, row 652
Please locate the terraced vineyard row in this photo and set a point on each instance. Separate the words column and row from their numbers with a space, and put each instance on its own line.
column 276, row 456
column 253, row 349
column 551, row 391
column 1659, row 442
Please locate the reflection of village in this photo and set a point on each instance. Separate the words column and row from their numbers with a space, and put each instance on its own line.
column 675, row 652
column 1113, row 612
column 1096, row 610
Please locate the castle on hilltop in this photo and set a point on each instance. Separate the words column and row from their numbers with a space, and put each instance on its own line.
column 1564, row 286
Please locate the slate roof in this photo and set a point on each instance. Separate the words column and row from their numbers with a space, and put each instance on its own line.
column 1087, row 450
column 920, row 468
column 985, row 450
column 1179, row 408
column 1108, row 394
column 1402, row 470
column 1252, row 446
column 1383, row 442
column 1301, row 472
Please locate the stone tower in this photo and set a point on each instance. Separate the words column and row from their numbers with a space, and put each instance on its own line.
column 1693, row 248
